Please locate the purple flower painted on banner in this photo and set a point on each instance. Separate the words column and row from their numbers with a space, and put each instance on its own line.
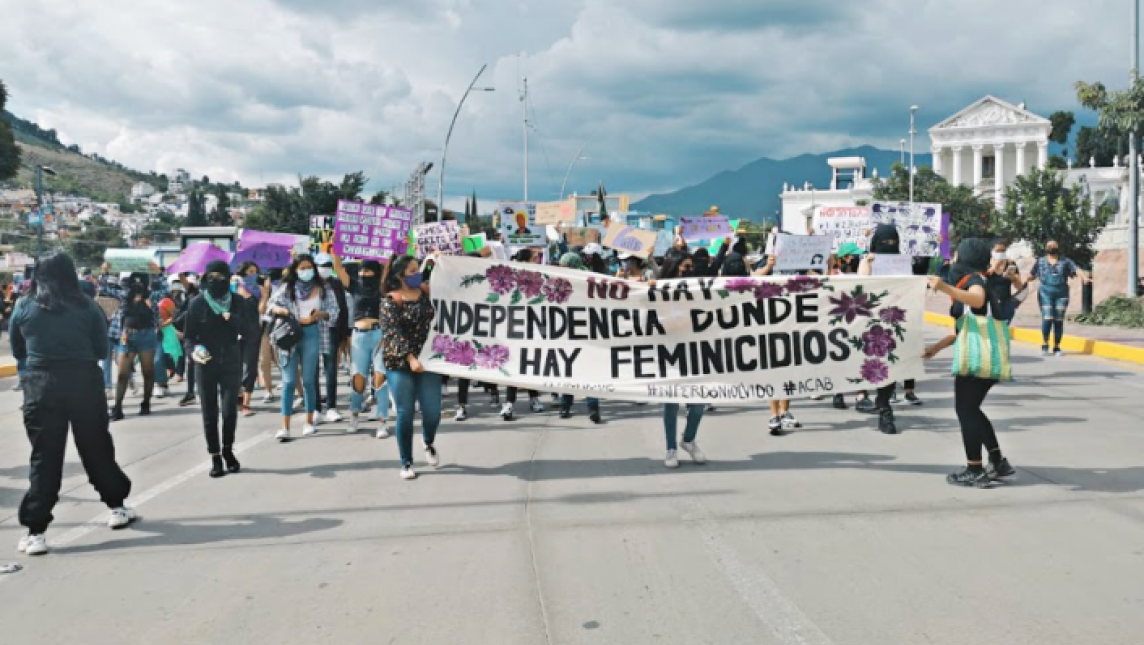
column 530, row 283
column 878, row 342
column 461, row 353
column 492, row 357
column 849, row 308
column 442, row 344
column 501, row 278
column 767, row 290
column 892, row 315
column 875, row 371
column 741, row 285
column 803, row 284
column 558, row 290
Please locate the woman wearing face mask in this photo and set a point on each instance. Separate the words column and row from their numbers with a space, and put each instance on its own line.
column 303, row 296
column 340, row 330
column 884, row 241
column 137, row 339
column 407, row 315
column 249, row 292
column 680, row 265
column 365, row 347
column 968, row 288
column 1054, row 272
column 215, row 320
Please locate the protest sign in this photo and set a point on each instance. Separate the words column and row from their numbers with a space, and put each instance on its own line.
column 196, row 257
column 802, row 252
column 129, row 260
column 629, row 239
column 736, row 341
column 892, row 265
column 370, row 232
column 321, row 234
column 518, row 224
column 266, row 256
column 845, row 225
column 497, row 251
column 920, row 227
column 248, row 237
column 474, row 243
column 556, row 212
column 581, row 236
column 705, row 227
column 444, row 237
column 945, row 243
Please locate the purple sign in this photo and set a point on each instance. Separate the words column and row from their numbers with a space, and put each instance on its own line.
column 946, row 244
column 370, row 232
column 250, row 237
column 266, row 256
column 196, row 257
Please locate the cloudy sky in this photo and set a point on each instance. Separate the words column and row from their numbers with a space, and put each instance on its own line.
column 664, row 93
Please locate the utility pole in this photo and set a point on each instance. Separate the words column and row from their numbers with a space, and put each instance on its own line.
column 1134, row 169
column 524, row 104
column 913, row 131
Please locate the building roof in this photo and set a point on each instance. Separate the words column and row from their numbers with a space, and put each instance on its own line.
column 991, row 111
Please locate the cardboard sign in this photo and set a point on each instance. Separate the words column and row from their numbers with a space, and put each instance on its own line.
column 518, row 225
column 474, row 243
column 802, row 252
column 629, row 239
column 580, row 236
column 321, row 234
column 370, row 232
column 845, row 225
column 556, row 212
column 706, row 227
column 129, row 260
column 892, row 265
column 920, row 228
column 443, row 237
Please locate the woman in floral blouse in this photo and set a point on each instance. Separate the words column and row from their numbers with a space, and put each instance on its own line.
column 406, row 317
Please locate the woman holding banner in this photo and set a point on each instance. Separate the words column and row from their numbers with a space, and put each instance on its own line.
column 884, row 241
column 304, row 297
column 365, row 344
column 782, row 420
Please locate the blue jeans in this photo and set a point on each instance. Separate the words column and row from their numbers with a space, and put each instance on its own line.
column 694, row 416
column 139, row 341
column 365, row 353
column 160, row 367
column 410, row 390
column 306, row 352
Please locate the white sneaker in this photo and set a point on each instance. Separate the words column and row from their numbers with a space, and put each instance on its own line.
column 506, row 412
column 298, row 403
column 332, row 416
column 382, row 432
column 462, row 414
column 373, row 415
column 789, row 422
column 696, row 454
column 162, row 392
column 408, row 473
column 671, row 461
column 536, row 406
column 282, row 436
column 431, row 457
column 32, row 544
column 353, row 426
column 310, row 429
column 269, row 398
column 121, row 517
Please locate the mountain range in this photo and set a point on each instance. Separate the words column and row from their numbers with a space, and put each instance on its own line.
column 753, row 191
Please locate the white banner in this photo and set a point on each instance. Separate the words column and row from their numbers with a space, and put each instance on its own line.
column 845, row 225
column 920, row 227
column 802, row 252
column 721, row 340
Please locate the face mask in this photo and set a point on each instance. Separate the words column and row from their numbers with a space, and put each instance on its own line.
column 371, row 282
column 998, row 256
column 413, row 281
column 689, row 272
column 325, row 272
column 305, row 275
column 1053, row 250
column 218, row 288
column 250, row 282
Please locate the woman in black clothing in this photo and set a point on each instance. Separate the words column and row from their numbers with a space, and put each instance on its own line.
column 214, row 321
column 246, row 286
column 137, row 339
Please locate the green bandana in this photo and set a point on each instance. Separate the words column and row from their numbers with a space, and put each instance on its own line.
column 218, row 307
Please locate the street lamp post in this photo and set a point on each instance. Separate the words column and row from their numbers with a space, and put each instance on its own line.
column 913, row 131
column 902, row 147
column 1134, row 171
column 445, row 152
column 578, row 157
column 40, row 170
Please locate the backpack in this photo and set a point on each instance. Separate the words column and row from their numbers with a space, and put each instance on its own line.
column 1052, row 277
column 285, row 333
column 998, row 298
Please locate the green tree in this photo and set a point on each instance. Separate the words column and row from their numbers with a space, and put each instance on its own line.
column 9, row 151
column 220, row 216
column 1039, row 208
column 1095, row 143
column 196, row 211
column 970, row 215
column 88, row 246
column 1063, row 123
column 380, row 198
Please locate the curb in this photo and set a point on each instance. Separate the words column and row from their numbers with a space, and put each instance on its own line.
column 1074, row 344
column 7, row 369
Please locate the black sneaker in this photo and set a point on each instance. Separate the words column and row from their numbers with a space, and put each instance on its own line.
column 145, row 409
column 565, row 413
column 595, row 418
column 865, row 405
column 913, row 399
column 1001, row 470
column 886, row 422
column 839, row 402
column 216, row 467
column 187, row 400
column 232, row 465
column 117, row 414
column 972, row 476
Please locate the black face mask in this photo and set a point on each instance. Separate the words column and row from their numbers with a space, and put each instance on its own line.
column 688, row 273
column 371, row 282
column 1054, row 251
column 218, row 288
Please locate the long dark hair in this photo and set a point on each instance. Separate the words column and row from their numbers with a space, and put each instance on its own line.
column 396, row 278
column 56, row 286
column 671, row 263
column 291, row 279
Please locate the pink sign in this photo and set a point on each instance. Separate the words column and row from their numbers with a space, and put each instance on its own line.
column 370, row 232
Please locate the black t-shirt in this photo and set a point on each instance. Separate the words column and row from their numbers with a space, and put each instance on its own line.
column 219, row 335
column 366, row 305
column 137, row 315
column 958, row 308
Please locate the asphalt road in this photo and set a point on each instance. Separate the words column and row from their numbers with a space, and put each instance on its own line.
column 545, row 530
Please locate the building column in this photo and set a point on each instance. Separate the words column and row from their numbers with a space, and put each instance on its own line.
column 1021, row 167
column 999, row 173
column 977, row 163
column 937, row 165
column 1042, row 154
column 957, row 165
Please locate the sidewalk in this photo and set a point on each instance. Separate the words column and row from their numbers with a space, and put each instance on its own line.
column 1108, row 342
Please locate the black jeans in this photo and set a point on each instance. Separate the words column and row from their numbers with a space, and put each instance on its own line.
column 330, row 365
column 510, row 397
column 976, row 430
column 567, row 400
column 219, row 381
column 54, row 399
column 188, row 350
column 250, row 349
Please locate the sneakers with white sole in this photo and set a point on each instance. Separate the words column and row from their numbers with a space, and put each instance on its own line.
column 382, row 432
column 282, row 436
column 162, row 392
column 535, row 405
column 310, row 429
column 692, row 449
column 32, row 544
column 461, row 414
column 121, row 517
column 671, row 461
column 269, row 398
column 408, row 473
column 332, row 416
column 431, row 456
column 789, row 422
column 353, row 425
column 506, row 412
column 373, row 415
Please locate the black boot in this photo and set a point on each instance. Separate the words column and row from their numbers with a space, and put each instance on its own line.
column 232, row 464
column 886, row 422
column 565, row 413
column 839, row 402
column 117, row 414
column 216, row 467
column 145, row 409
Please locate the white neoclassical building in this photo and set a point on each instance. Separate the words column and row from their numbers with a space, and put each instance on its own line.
column 989, row 144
